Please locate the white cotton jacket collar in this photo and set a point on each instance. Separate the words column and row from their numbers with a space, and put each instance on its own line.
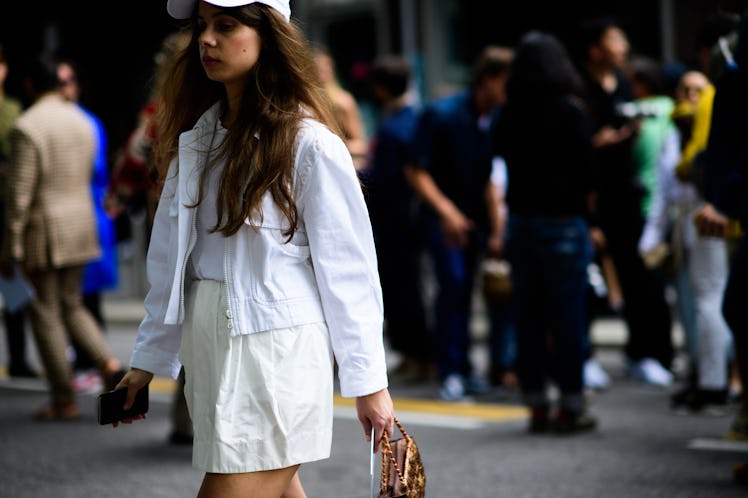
column 327, row 273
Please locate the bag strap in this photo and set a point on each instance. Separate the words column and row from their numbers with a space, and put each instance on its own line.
column 387, row 453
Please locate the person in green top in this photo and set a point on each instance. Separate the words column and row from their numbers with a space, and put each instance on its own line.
column 10, row 108
column 653, row 108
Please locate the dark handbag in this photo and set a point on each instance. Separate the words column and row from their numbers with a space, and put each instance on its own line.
column 403, row 475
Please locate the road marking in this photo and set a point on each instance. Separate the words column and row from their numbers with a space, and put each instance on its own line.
column 715, row 444
column 466, row 416
column 163, row 385
column 419, row 418
column 459, row 415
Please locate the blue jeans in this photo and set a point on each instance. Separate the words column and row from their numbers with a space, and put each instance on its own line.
column 502, row 335
column 455, row 270
column 549, row 258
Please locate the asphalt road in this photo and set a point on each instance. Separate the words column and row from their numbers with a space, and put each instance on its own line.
column 478, row 448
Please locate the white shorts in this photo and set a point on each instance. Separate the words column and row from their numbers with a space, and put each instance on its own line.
column 260, row 401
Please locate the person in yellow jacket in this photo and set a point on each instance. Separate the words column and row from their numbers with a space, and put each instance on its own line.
column 705, row 256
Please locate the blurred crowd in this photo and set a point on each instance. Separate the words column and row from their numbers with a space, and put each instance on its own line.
column 564, row 181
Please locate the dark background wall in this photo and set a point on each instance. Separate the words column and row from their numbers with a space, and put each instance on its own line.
column 114, row 43
column 504, row 22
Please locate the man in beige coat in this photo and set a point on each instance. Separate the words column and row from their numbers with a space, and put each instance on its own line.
column 51, row 231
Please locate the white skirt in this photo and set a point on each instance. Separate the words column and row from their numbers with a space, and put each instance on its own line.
column 260, row 401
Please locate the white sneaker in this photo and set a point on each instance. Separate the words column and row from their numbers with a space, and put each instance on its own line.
column 594, row 375
column 650, row 371
column 453, row 388
column 88, row 381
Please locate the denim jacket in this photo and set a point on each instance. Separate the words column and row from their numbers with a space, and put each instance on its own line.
column 327, row 272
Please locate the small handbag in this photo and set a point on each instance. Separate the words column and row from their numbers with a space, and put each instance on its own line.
column 496, row 281
column 403, row 475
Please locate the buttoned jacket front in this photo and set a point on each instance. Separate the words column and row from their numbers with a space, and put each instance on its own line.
column 327, row 272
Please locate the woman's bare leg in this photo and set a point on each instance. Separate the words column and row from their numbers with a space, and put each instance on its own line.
column 295, row 489
column 265, row 484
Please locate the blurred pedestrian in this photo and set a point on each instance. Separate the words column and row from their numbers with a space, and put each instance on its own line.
column 700, row 264
column 134, row 187
column 544, row 135
column 451, row 172
column 497, row 294
column 51, row 231
column 495, row 273
column 15, row 331
column 347, row 110
column 716, row 46
column 668, row 231
column 393, row 209
column 620, row 220
column 100, row 274
column 261, row 263
column 726, row 188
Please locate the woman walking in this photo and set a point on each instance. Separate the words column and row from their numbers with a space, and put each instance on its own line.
column 261, row 263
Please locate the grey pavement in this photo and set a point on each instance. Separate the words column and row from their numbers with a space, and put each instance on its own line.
column 475, row 448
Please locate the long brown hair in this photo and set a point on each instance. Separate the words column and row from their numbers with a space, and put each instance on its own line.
column 281, row 90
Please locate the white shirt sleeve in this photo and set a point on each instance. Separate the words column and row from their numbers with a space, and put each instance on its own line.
column 659, row 215
column 157, row 343
column 499, row 175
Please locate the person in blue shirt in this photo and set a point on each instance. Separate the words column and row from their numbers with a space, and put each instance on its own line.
column 393, row 213
column 100, row 274
column 451, row 172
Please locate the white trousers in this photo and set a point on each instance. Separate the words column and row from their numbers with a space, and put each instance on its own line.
column 708, row 270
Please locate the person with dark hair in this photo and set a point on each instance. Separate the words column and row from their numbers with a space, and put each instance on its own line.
column 14, row 321
column 697, row 266
column 393, row 209
column 51, row 232
column 620, row 220
column 544, row 136
column 451, row 172
column 261, row 266
column 725, row 181
column 134, row 188
column 99, row 274
column 653, row 107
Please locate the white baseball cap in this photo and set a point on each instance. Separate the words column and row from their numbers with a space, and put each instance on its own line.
column 182, row 9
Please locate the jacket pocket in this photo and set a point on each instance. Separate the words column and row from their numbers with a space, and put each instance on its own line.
column 272, row 225
column 280, row 270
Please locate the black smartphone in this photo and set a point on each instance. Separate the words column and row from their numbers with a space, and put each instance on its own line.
column 111, row 402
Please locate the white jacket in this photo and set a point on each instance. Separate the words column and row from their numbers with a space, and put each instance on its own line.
column 328, row 272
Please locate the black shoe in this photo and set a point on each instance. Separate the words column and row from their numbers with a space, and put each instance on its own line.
column 680, row 398
column 179, row 438
column 573, row 422
column 706, row 401
column 503, row 377
column 22, row 371
column 540, row 421
column 496, row 375
column 740, row 473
